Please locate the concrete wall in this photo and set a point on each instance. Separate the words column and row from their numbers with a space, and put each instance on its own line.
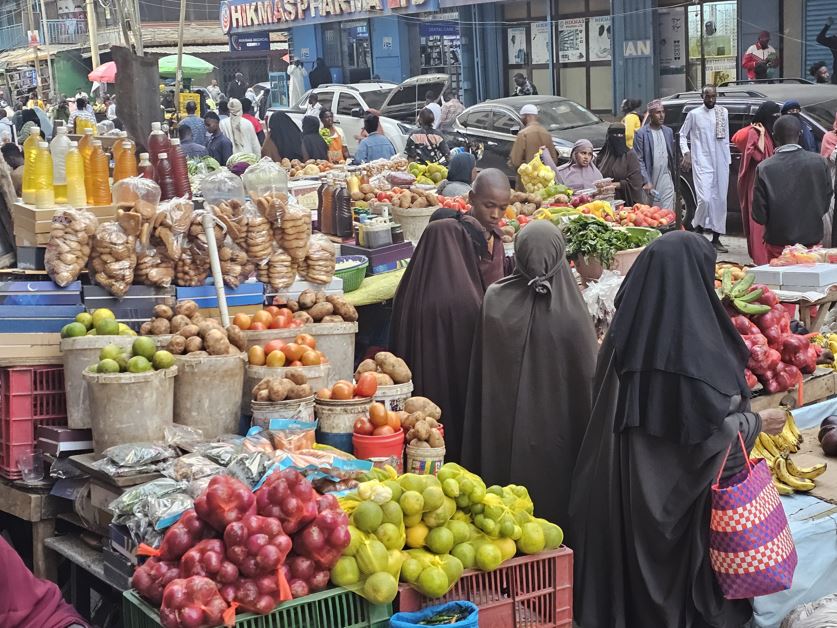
column 792, row 36
column 391, row 62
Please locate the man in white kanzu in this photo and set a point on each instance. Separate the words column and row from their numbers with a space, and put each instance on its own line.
column 296, row 88
column 707, row 129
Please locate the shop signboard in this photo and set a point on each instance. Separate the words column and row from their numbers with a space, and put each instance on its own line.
column 249, row 42
column 278, row 89
column 541, row 40
column 247, row 16
column 600, row 38
column 517, row 45
column 572, row 42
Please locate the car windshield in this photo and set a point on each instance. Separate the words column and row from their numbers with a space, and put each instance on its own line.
column 565, row 114
column 375, row 99
column 822, row 113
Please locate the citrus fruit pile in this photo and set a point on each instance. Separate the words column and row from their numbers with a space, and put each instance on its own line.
column 101, row 322
column 142, row 357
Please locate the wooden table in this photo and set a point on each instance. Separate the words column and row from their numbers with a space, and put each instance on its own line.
column 38, row 509
column 817, row 387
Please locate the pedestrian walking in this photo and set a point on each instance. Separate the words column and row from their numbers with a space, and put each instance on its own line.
column 239, row 130
column 194, row 122
column 654, row 146
column 214, row 91
column 808, row 141
column 237, row 88
column 296, row 78
column 761, row 52
column 704, row 143
column 432, row 103
column 450, row 110
column 218, row 145
column 830, row 42
column 248, row 114
column 425, row 144
column 530, row 140
column 631, row 119
column 755, row 143
column 616, row 162
column 791, row 208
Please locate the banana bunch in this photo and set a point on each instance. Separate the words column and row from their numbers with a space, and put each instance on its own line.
column 741, row 294
column 776, row 450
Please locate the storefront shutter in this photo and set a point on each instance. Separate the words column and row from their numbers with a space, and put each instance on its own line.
column 816, row 13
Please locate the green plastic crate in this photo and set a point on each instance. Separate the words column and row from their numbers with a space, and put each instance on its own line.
column 333, row 608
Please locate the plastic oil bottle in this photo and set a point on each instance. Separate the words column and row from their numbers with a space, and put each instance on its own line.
column 165, row 177
column 99, row 166
column 180, row 170
column 85, row 147
column 76, row 193
column 59, row 147
column 44, row 193
column 30, row 152
column 125, row 162
column 158, row 142
column 146, row 168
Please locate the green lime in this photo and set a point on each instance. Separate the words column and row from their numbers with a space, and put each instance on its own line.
column 465, row 553
column 433, row 497
column 380, row 588
column 108, row 366
column 439, row 540
column 412, row 503
column 162, row 360
column 433, row 582
column 368, row 516
column 110, row 352
column 532, row 540
column 488, row 557
column 138, row 364
column 107, row 327
column 345, row 573
column 411, row 570
column 102, row 314
column 85, row 319
column 390, row 536
column 144, row 346
column 73, row 330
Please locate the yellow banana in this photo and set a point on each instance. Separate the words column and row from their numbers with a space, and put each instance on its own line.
column 790, row 423
column 759, row 452
column 782, row 474
column 807, row 473
column 784, row 445
column 789, row 435
column 768, row 445
column 781, row 488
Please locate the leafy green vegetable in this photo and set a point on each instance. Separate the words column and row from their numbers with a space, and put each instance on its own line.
column 591, row 238
column 205, row 165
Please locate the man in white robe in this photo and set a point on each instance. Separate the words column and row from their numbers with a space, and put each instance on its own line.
column 707, row 130
column 296, row 74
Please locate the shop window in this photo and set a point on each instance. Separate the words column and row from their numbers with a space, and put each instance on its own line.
column 346, row 103
column 568, row 7
column 601, row 88
column 504, row 123
column 480, row 120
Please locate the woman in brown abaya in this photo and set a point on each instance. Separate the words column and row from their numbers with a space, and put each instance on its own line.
column 669, row 399
column 622, row 165
column 434, row 316
column 530, row 389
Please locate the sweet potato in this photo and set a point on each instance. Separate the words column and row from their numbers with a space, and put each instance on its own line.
column 305, row 317
column 300, row 392
column 179, row 322
column 393, row 366
column 409, row 422
column 264, row 395
column 279, row 389
column 216, row 342
column 160, row 327
column 342, row 308
column 296, row 376
column 189, row 331
column 384, row 379
column 332, row 318
column 367, row 366
column 194, row 344
column 423, row 404
column 145, row 329
column 419, row 443
column 435, row 439
column 293, row 305
column 264, row 384
column 163, row 311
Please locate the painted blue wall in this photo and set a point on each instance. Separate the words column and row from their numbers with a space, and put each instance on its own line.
column 311, row 38
column 482, row 52
column 391, row 63
column 635, row 74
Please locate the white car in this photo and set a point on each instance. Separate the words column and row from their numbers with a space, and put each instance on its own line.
column 398, row 104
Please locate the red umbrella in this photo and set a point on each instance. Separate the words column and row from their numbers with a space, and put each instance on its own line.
column 105, row 73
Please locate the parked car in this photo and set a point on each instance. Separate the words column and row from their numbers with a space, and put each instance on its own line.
column 819, row 104
column 399, row 105
column 493, row 125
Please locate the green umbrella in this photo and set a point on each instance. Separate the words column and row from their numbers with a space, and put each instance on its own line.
column 191, row 66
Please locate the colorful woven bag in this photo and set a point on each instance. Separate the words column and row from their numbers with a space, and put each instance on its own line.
column 750, row 544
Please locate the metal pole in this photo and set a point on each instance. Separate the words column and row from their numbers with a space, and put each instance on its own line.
column 208, row 222
column 34, row 27
column 551, row 46
column 178, row 75
column 93, row 33
column 53, row 88
column 136, row 26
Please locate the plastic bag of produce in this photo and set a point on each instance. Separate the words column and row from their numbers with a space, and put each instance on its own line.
column 192, row 268
column 172, row 228
column 289, row 497
column 226, row 500
column 165, row 510
column 113, row 258
column 320, row 261
column 69, row 246
column 138, row 454
column 151, row 578
column 265, row 178
column 183, row 535
column 134, row 191
column 209, row 558
column 249, row 467
column 296, row 230
column 154, row 268
column 134, row 498
column 257, row 545
column 291, row 436
column 222, row 185
column 191, row 467
column 431, row 574
column 220, row 452
column 193, row 603
column 258, row 595
column 326, row 537
column 817, row 614
column 454, row 614
column 183, row 436
column 231, row 215
column 303, row 576
column 235, row 266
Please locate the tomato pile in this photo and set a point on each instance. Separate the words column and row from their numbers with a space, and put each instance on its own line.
column 271, row 317
column 643, row 216
column 277, row 353
column 237, row 548
column 380, row 422
column 459, row 203
column 342, row 390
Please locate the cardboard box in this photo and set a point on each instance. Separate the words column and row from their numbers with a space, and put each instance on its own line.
column 36, row 221
column 62, row 442
column 30, row 257
column 815, row 276
column 30, row 345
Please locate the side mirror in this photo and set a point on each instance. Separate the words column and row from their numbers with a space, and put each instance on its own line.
column 357, row 112
column 514, row 130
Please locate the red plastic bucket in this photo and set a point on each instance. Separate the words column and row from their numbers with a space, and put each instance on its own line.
column 381, row 449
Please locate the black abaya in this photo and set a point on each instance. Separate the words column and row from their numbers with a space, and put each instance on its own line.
column 531, row 375
column 640, row 503
column 434, row 315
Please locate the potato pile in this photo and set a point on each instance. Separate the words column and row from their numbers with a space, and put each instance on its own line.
column 113, row 258
column 294, row 385
column 415, row 198
column 320, row 262
column 320, row 308
column 524, row 198
column 389, row 368
column 422, row 423
column 70, row 239
column 297, row 168
column 193, row 334
column 365, row 193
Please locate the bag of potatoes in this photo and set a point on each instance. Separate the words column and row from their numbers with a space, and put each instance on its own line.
column 70, row 241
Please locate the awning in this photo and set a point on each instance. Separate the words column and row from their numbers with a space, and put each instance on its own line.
column 26, row 56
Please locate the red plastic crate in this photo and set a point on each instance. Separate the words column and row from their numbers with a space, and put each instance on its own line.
column 525, row 592
column 29, row 397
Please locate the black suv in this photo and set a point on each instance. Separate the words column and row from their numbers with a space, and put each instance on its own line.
column 819, row 105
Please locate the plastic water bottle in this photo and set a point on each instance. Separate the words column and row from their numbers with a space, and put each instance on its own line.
column 98, row 175
column 44, row 192
column 30, row 153
column 59, row 147
column 76, row 194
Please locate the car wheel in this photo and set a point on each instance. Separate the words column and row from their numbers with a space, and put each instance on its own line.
column 688, row 206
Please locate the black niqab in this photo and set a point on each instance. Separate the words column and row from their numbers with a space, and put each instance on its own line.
column 285, row 135
column 766, row 114
column 433, row 320
column 313, row 144
column 531, row 375
column 677, row 353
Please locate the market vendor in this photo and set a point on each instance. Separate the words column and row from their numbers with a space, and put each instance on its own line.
column 670, row 399
column 29, row 602
column 535, row 324
column 461, row 173
column 579, row 173
column 434, row 316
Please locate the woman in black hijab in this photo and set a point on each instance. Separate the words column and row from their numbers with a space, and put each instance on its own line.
column 320, row 75
column 284, row 140
column 621, row 165
column 313, row 144
column 461, row 173
column 669, row 399
column 534, row 350
column 433, row 320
